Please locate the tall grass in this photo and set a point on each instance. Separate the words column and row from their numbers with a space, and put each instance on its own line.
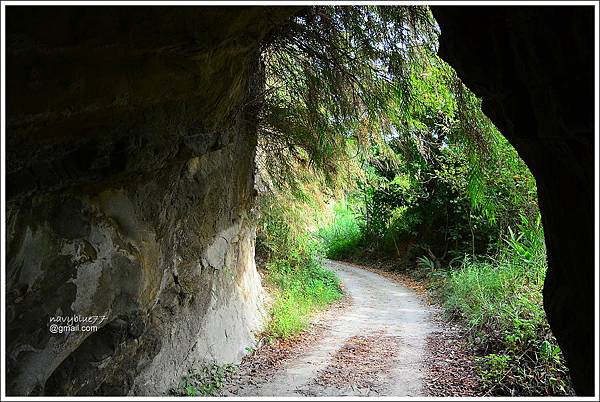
column 302, row 290
column 500, row 298
column 343, row 234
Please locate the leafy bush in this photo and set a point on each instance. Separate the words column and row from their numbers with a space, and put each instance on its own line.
column 493, row 368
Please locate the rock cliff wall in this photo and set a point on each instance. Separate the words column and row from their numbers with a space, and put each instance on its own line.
column 131, row 135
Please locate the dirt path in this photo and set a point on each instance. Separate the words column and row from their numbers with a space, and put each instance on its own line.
column 373, row 346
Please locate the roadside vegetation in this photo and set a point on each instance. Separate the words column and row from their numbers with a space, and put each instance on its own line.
column 469, row 226
column 370, row 148
column 294, row 269
column 205, row 381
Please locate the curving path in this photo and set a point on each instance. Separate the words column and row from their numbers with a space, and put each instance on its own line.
column 373, row 346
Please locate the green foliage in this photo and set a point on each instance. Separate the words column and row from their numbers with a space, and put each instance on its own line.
column 283, row 231
column 444, row 190
column 206, row 381
column 332, row 73
column 493, row 368
column 294, row 269
column 500, row 292
column 500, row 299
column 343, row 233
column 426, row 263
column 302, row 291
column 366, row 82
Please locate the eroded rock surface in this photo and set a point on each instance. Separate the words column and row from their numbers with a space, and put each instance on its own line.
column 130, row 176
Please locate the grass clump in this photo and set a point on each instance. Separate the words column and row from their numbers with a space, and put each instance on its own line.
column 206, row 381
column 500, row 299
column 343, row 234
column 301, row 290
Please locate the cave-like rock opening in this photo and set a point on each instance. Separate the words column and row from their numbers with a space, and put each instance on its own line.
column 130, row 140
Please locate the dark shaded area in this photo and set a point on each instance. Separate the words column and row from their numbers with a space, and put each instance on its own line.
column 534, row 69
column 99, row 93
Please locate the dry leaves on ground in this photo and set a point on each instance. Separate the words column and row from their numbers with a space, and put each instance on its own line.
column 450, row 364
column 361, row 362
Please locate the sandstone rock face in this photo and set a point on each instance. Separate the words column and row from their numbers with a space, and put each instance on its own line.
column 534, row 69
column 131, row 135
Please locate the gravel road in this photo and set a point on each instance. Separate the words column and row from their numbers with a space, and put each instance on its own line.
column 373, row 346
